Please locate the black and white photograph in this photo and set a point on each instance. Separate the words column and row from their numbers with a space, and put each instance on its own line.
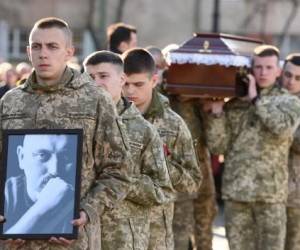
column 41, row 182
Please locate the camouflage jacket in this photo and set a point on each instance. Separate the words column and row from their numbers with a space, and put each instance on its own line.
column 294, row 171
column 255, row 141
column 151, row 181
column 192, row 113
column 182, row 162
column 76, row 103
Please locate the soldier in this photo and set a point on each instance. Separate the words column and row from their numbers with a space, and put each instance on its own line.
column 193, row 214
column 10, row 79
column 121, row 37
column 160, row 64
column 291, row 81
column 57, row 97
column 23, row 69
column 127, row 227
column 254, row 133
column 182, row 164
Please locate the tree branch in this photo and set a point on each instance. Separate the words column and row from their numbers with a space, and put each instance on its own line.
column 288, row 22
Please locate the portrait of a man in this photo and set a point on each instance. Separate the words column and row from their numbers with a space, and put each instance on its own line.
column 40, row 180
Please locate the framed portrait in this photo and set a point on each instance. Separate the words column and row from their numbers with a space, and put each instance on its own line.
column 40, row 183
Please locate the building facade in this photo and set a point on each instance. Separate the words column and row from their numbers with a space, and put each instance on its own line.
column 158, row 22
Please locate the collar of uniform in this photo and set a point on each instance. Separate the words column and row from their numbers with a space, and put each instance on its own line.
column 32, row 84
column 126, row 109
column 156, row 106
column 121, row 106
column 269, row 90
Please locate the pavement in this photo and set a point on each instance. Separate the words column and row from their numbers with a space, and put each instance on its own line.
column 219, row 239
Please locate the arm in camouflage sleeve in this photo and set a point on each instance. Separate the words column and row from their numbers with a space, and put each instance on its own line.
column 154, row 186
column 185, row 173
column 296, row 142
column 280, row 114
column 217, row 134
column 112, row 163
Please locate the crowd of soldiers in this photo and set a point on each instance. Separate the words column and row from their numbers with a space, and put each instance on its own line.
column 146, row 180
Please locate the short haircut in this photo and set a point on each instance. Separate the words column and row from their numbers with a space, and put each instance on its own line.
column 266, row 50
column 292, row 58
column 117, row 33
column 159, row 58
column 53, row 22
column 154, row 51
column 138, row 61
column 103, row 56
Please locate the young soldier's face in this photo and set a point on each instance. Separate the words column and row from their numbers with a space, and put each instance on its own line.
column 138, row 89
column 291, row 78
column 49, row 50
column 109, row 76
column 266, row 70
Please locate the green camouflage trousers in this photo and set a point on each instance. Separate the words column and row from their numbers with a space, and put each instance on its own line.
column 292, row 229
column 183, row 224
column 193, row 221
column 205, row 210
column 205, row 205
column 255, row 225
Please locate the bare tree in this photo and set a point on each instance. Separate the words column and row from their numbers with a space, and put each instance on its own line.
column 216, row 16
column 263, row 18
column 288, row 22
column 120, row 11
column 96, row 24
column 260, row 7
column 97, row 27
column 248, row 19
column 90, row 22
column 196, row 15
column 259, row 10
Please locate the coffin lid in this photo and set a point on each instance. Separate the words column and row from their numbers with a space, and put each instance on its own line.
column 215, row 48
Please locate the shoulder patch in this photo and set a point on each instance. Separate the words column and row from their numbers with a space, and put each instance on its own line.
column 134, row 144
column 164, row 132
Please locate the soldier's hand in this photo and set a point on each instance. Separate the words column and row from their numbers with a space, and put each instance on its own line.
column 14, row 243
column 213, row 106
column 2, row 219
column 83, row 220
column 52, row 194
column 252, row 90
column 61, row 241
column 11, row 242
column 217, row 107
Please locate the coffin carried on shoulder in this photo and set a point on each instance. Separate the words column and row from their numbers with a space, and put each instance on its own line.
column 206, row 65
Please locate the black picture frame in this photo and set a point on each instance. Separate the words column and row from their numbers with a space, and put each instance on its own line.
column 40, row 183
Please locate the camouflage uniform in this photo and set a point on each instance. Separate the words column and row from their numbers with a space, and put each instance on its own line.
column 194, row 215
column 128, row 225
column 293, row 203
column 255, row 141
column 182, row 164
column 76, row 103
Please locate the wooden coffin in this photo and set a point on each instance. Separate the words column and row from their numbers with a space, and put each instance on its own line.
column 206, row 65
